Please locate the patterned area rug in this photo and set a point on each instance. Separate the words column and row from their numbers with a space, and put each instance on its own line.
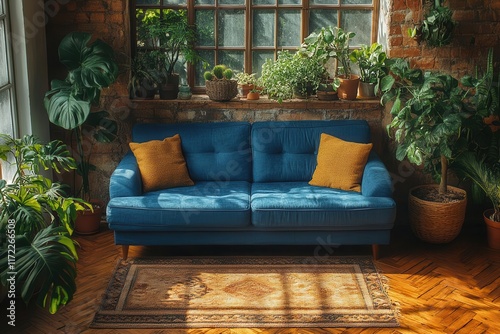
column 246, row 292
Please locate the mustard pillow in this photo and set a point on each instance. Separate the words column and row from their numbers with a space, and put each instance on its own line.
column 340, row 164
column 161, row 164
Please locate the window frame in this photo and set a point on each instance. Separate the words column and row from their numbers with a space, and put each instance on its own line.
column 248, row 8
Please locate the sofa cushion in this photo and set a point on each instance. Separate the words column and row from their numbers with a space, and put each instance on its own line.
column 340, row 163
column 204, row 205
column 217, row 151
column 161, row 164
column 298, row 205
column 286, row 151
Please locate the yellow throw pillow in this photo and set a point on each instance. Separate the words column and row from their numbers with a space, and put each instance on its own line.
column 340, row 164
column 161, row 164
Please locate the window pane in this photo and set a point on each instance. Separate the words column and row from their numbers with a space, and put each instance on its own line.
column 231, row 2
column 258, row 59
column 231, row 28
column 232, row 59
column 263, row 28
column 1, row 7
column 358, row 21
column 148, row 2
column 6, row 125
column 205, row 27
column 324, row 2
column 143, row 18
column 289, row 28
column 204, row 2
column 174, row 2
column 356, row 2
column 209, row 56
column 4, row 72
column 322, row 18
column 289, row 2
column 264, row 2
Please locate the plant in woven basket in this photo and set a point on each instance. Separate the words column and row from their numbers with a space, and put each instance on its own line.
column 428, row 112
column 219, row 83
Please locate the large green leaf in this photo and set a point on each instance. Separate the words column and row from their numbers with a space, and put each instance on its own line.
column 66, row 110
column 46, row 264
column 73, row 49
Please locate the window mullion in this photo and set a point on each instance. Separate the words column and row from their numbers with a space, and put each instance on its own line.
column 305, row 20
column 248, row 37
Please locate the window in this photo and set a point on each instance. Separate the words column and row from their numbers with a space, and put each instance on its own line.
column 244, row 33
column 7, row 100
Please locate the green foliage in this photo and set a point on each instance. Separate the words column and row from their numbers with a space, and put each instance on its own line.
column 228, row 74
column 291, row 72
column 142, row 73
column 246, row 79
column 481, row 163
column 208, row 75
column 329, row 42
column 219, row 72
column 168, row 38
column 90, row 69
column 428, row 113
column 371, row 62
column 45, row 255
column 437, row 27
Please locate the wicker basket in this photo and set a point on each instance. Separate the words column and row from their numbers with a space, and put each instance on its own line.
column 435, row 222
column 221, row 90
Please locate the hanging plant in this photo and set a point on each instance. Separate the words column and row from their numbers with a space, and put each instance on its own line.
column 437, row 27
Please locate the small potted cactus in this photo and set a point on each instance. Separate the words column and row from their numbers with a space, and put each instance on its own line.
column 219, row 84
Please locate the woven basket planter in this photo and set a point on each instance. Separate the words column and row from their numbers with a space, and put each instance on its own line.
column 436, row 222
column 221, row 90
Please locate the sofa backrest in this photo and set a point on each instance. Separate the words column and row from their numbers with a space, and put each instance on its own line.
column 286, row 151
column 213, row 151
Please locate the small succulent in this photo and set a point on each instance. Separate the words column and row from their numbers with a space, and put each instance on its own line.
column 218, row 71
column 208, row 75
column 228, row 74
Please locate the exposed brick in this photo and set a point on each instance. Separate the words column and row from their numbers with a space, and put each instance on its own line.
column 116, row 18
column 395, row 30
column 117, row 6
column 399, row 5
column 95, row 6
column 424, row 62
column 395, row 41
column 475, row 3
column 97, row 17
column 82, row 17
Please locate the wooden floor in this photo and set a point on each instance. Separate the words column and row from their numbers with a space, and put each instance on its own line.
column 452, row 288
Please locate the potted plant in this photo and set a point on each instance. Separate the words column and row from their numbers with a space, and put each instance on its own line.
column 254, row 93
column 68, row 103
column 246, row 83
column 169, row 39
column 142, row 82
column 436, row 28
column 333, row 42
column 219, row 83
column 371, row 62
column 428, row 114
column 291, row 75
column 481, row 164
column 327, row 89
column 37, row 217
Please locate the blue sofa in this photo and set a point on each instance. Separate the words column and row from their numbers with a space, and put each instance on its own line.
column 251, row 188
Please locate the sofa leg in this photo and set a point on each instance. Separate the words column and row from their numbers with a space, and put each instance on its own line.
column 125, row 251
column 375, row 251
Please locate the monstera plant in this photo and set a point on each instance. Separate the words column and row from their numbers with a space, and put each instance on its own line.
column 69, row 102
column 37, row 218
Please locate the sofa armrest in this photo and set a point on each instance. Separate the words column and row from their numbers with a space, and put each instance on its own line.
column 126, row 178
column 376, row 179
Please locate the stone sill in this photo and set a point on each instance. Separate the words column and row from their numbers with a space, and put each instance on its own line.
column 203, row 102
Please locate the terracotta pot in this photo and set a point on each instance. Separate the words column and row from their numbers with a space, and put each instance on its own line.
column 436, row 222
column 366, row 90
column 245, row 89
column 89, row 222
column 348, row 89
column 253, row 96
column 327, row 95
column 493, row 229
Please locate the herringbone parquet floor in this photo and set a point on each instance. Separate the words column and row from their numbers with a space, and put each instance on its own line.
column 452, row 288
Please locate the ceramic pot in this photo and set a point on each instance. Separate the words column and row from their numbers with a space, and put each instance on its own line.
column 493, row 229
column 253, row 96
column 184, row 92
column 89, row 222
column 348, row 89
column 243, row 90
column 170, row 89
column 327, row 95
column 366, row 90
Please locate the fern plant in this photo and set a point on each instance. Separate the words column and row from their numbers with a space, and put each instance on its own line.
column 38, row 217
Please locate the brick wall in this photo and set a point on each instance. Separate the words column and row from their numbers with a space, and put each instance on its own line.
column 478, row 29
